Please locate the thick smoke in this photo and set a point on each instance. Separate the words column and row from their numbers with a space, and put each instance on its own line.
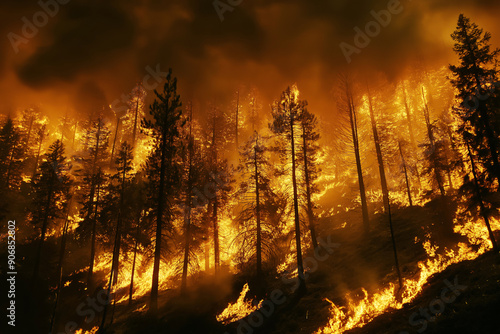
column 267, row 44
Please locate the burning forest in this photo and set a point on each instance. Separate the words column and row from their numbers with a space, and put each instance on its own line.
column 351, row 188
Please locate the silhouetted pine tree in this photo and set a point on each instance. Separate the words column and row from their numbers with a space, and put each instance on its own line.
column 50, row 194
column 163, row 167
column 476, row 82
column 93, row 181
column 286, row 114
column 11, row 156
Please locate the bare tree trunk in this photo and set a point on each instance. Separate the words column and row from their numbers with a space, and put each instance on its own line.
column 216, row 236
column 355, row 140
column 93, row 204
column 207, row 256
column 60, row 266
column 111, row 162
column 74, row 136
column 410, row 130
column 215, row 207
column 396, row 261
column 257, row 212
column 310, row 213
column 383, row 180
column 300, row 266
column 131, row 288
column 28, row 137
column 44, row 229
column 37, row 158
column 408, row 190
column 116, row 249
column 134, row 133
column 237, row 121
column 93, row 237
column 187, row 213
column 153, row 307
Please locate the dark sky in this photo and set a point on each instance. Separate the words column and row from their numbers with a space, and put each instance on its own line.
column 99, row 49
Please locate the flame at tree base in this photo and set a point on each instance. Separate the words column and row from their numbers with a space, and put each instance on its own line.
column 359, row 313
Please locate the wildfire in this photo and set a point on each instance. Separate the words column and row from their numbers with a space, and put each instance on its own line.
column 92, row 331
column 358, row 313
column 238, row 310
column 142, row 277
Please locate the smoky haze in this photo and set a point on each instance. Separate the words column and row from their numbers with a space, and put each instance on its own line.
column 91, row 52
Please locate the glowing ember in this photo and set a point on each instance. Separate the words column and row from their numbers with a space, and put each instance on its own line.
column 238, row 310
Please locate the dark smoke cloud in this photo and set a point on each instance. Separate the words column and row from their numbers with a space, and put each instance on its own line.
column 268, row 44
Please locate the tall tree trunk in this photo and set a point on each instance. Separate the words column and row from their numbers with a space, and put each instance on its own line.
column 412, row 134
column 355, row 140
column 28, row 137
column 74, row 136
column 187, row 213
column 93, row 203
column 116, row 249
column 257, row 212
column 93, row 237
column 310, row 213
column 131, row 288
column 207, row 256
column 300, row 266
column 481, row 202
column 60, row 266
column 44, row 229
column 111, row 162
column 408, row 190
column 37, row 158
column 408, row 119
column 394, row 248
column 216, row 236
column 215, row 206
column 134, row 132
column 383, row 180
column 153, row 307
column 237, row 120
